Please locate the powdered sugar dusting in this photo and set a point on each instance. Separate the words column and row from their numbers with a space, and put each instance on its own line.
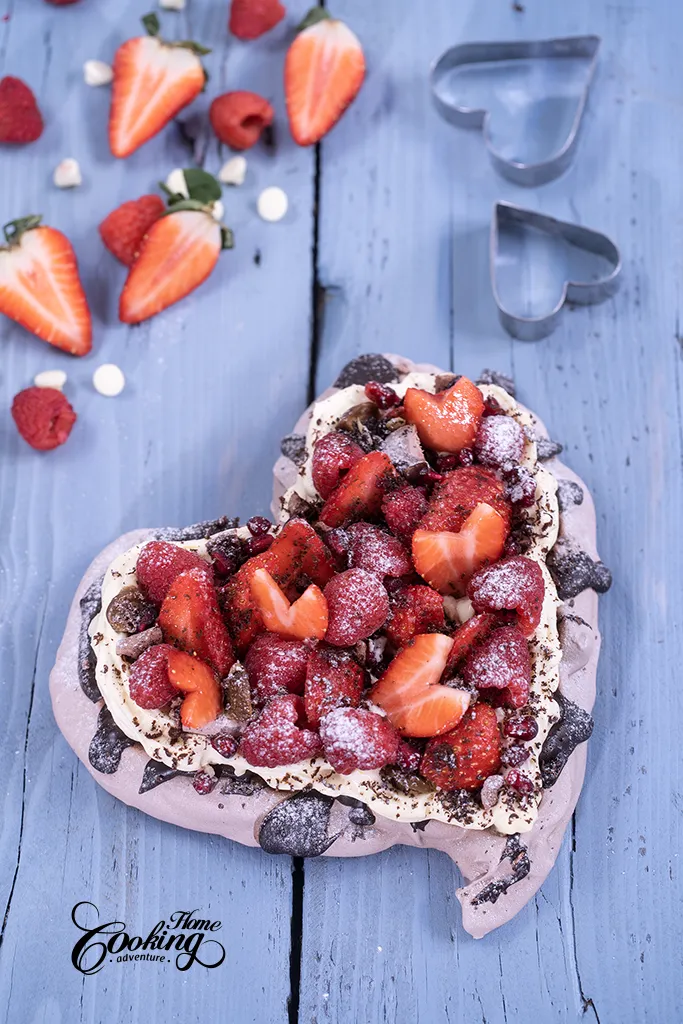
column 500, row 440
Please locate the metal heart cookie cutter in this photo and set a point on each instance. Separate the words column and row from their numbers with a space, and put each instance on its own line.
column 601, row 282
column 475, row 55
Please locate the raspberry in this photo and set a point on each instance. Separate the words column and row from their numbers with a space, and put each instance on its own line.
column 378, row 552
column 521, row 727
column 519, row 781
column 238, row 118
column 381, row 394
column 158, row 565
column 333, row 678
column 148, row 683
column 43, row 416
column 279, row 736
column 20, row 118
column 501, row 660
column 514, row 756
column 204, row 782
column 357, row 604
column 338, row 542
column 357, row 739
column 124, row 228
column 499, row 441
column 250, row 19
column 224, row 743
column 403, row 509
column 275, row 666
column 258, row 525
column 515, row 584
column 333, row 455
column 465, row 757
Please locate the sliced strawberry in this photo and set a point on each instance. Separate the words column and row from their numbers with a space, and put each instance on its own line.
column 413, row 609
column 355, row 739
column 465, row 757
column 153, row 81
column 124, row 228
column 190, row 617
column 359, row 495
column 304, row 619
column 160, row 562
column 333, row 455
column 276, row 666
column 372, row 549
column 467, row 637
column 280, row 735
column 357, row 604
column 410, row 693
column 515, row 584
column 324, row 69
column 447, row 560
column 448, row 421
column 459, row 492
column 403, row 509
column 40, row 287
column 500, row 661
column 204, row 700
column 333, row 679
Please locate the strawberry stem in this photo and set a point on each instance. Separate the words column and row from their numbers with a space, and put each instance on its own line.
column 14, row 229
column 152, row 24
column 315, row 15
column 153, row 28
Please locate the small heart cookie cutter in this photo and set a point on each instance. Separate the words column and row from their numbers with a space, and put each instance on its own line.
column 529, row 174
column 533, row 328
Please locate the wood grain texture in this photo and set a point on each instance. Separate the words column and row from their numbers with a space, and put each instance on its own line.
column 401, row 264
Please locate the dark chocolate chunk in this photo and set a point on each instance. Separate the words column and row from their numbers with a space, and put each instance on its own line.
column 500, row 380
column 91, row 605
column 107, row 745
column 405, row 782
column 299, row 508
column 155, row 773
column 298, row 826
column 419, row 826
column 198, row 531
column 547, row 449
column 240, row 785
column 574, row 571
column 238, row 694
column 362, row 369
column 361, row 816
column 130, row 611
column 575, row 726
column 293, row 447
column 568, row 494
column 132, row 647
column 517, row 854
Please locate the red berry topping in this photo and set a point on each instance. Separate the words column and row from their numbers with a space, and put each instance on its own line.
column 333, row 455
column 514, row 755
column 250, row 19
column 279, row 736
column 43, row 416
column 204, row 782
column 521, row 727
column 500, row 440
column 408, row 757
column 124, row 228
column 257, row 545
column 360, row 493
column 413, row 609
column 448, row 421
column 519, row 781
column 225, row 744
column 515, row 584
column 333, row 678
column 20, row 118
column 458, row 494
column 500, row 661
column 356, row 739
column 448, row 560
column 148, row 683
column 303, row 619
column 381, row 394
column 258, row 525
column 190, row 617
column 338, row 542
column 520, row 487
column 158, row 565
column 465, row 757
column 403, row 509
column 372, row 549
column 238, row 118
column 276, row 666
column 467, row 636
column 357, row 606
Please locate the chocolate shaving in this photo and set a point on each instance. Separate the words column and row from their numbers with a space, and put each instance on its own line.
column 547, row 449
column 404, row 782
column 198, row 531
column 298, row 826
column 500, row 380
column 155, row 773
column 568, row 494
column 132, row 647
column 371, row 366
column 574, row 727
column 293, row 447
column 108, row 744
column 575, row 571
column 91, row 605
column 238, row 694
column 517, row 854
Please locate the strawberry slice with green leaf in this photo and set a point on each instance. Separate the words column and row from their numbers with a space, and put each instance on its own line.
column 448, row 560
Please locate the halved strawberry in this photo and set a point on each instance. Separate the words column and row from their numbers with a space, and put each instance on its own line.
column 468, row 636
column 410, row 693
column 403, row 509
column 448, row 421
column 160, row 562
column 413, row 609
column 40, row 287
column 333, row 679
column 204, row 702
column 359, row 495
column 190, row 617
column 303, row 619
column 333, row 455
column 324, row 69
column 465, row 757
column 153, row 81
column 513, row 584
column 459, row 492
column 447, row 560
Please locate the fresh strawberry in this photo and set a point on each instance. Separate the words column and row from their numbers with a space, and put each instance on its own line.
column 190, row 617
column 280, row 735
column 403, row 509
column 467, row 637
column 159, row 563
column 297, row 550
column 357, row 605
column 459, row 492
column 447, row 560
column 355, row 739
column 372, row 549
column 250, row 19
column 43, row 416
column 465, row 757
column 276, row 666
column 238, row 118
column 20, row 118
column 501, row 662
column 333, row 678
column 514, row 584
column 162, row 671
column 40, row 287
column 359, row 495
column 304, row 619
column 153, row 81
column 124, row 228
column 410, row 693
column 333, row 455
column 499, row 442
column 324, row 69
column 413, row 609
column 448, row 421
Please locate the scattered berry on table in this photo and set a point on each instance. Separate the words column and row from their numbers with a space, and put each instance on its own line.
column 250, row 19
column 97, row 72
column 238, row 118
column 50, row 379
column 272, row 204
column 233, row 171
column 20, row 118
column 43, row 416
column 124, row 228
column 108, row 380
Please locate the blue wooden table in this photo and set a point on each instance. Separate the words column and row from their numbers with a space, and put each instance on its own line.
column 383, row 247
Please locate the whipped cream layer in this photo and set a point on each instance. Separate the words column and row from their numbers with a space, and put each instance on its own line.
column 161, row 738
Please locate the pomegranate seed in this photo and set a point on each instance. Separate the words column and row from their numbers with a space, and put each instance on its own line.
column 382, row 395
column 522, row 727
column 519, row 781
column 521, row 486
column 445, row 463
column 408, row 757
column 466, row 457
column 224, row 743
column 491, row 407
column 258, row 544
column 204, row 782
column 515, row 755
column 258, row 525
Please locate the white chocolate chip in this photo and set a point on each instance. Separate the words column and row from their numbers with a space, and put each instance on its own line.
column 172, row 5
column 217, row 210
column 50, row 379
column 272, row 204
column 96, row 72
column 108, row 379
column 233, row 171
column 176, row 183
column 67, row 174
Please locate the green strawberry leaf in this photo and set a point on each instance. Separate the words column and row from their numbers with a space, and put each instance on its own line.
column 202, row 186
column 151, row 23
column 315, row 15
